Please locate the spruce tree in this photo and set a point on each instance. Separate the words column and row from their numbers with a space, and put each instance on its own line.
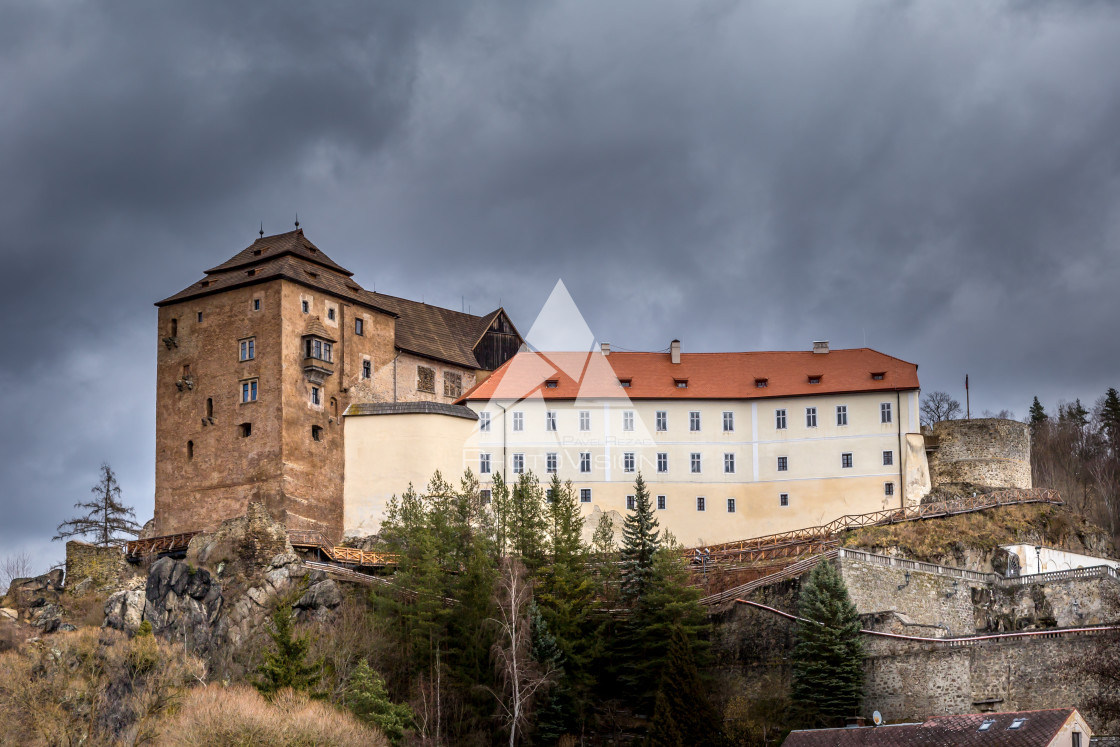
column 639, row 545
column 828, row 656
column 684, row 695
column 1110, row 419
column 528, row 522
column 663, row 728
column 286, row 664
column 554, row 709
column 367, row 698
column 1038, row 413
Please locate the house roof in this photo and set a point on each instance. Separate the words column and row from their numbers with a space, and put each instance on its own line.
column 1038, row 730
column 425, row 330
column 697, row 376
column 410, row 408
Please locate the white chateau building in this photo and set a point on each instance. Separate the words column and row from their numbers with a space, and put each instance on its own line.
column 730, row 445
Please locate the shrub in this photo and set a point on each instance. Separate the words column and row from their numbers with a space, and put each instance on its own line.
column 216, row 716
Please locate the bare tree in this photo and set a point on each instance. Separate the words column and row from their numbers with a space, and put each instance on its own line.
column 519, row 676
column 938, row 406
column 13, row 566
column 107, row 517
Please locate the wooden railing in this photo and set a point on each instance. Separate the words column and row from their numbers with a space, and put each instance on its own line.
column 166, row 545
column 301, row 538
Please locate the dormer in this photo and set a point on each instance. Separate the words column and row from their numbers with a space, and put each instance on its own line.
column 318, row 351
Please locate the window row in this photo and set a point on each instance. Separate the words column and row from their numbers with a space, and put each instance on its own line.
column 661, row 418
column 662, row 501
column 629, row 461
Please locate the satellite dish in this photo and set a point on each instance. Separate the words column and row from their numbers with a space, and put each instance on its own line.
column 876, row 718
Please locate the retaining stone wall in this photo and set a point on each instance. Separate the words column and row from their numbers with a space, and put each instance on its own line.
column 102, row 565
column 991, row 451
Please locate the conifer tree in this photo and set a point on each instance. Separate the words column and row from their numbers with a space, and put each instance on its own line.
column 639, row 545
column 663, row 728
column 828, row 656
column 106, row 516
column 683, row 695
column 367, row 698
column 553, row 714
column 1038, row 413
column 1110, row 419
column 527, row 521
column 286, row 664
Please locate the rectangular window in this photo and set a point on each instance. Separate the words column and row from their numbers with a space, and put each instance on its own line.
column 484, row 464
column 783, row 499
column 694, row 462
column 249, row 391
column 256, row 304
column 888, row 488
column 810, row 417
column 585, row 461
column 425, row 379
column 359, row 326
column 780, row 419
column 367, row 369
column 699, row 503
column 730, row 505
column 550, row 462
column 846, row 460
column 518, row 464
column 550, row 421
column 728, row 421
column 248, row 349
column 783, row 464
column 628, row 420
column 245, row 430
column 484, row 422
column 628, row 461
column 841, row 414
column 584, row 420
column 661, row 419
column 200, row 317
column 694, row 420
column 885, row 413
column 630, row 503
column 585, row 495
column 452, row 384
column 485, row 496
column 315, row 395
column 519, row 421
column 888, row 458
column 660, row 503
column 662, row 461
column 729, row 463
column 306, row 307
column 330, row 314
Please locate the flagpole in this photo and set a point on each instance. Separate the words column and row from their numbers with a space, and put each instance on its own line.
column 967, row 404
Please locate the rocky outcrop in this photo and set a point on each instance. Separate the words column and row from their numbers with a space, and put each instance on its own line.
column 246, row 543
column 37, row 601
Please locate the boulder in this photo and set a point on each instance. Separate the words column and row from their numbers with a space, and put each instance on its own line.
column 323, row 595
column 124, row 610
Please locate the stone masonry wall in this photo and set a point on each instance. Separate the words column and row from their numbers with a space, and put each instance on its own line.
column 102, row 565
column 991, row 451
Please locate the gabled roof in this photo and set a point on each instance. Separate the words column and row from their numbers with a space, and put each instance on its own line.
column 1038, row 730
column 267, row 247
column 436, row 332
column 705, row 375
column 316, row 328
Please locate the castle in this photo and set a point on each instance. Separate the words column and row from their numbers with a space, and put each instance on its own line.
column 282, row 380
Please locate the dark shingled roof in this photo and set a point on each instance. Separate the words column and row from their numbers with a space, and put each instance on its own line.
column 427, row 331
column 411, row 408
column 1038, row 730
column 292, row 242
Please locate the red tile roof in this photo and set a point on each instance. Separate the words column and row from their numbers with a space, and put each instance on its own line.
column 703, row 375
column 1038, row 730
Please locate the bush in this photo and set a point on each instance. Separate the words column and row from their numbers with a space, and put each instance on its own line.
column 216, row 716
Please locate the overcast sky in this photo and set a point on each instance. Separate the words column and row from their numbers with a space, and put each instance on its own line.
column 937, row 180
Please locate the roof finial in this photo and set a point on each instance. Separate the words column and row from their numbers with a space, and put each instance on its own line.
column 262, row 229
column 297, row 220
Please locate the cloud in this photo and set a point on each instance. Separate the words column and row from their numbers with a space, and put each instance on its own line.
column 938, row 180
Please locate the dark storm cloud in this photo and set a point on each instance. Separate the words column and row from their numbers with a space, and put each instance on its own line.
column 938, row 179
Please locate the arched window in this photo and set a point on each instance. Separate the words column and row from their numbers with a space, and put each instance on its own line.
column 190, row 449
column 209, row 407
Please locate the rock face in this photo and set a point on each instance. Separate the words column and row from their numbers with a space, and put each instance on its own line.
column 37, row 599
column 219, row 604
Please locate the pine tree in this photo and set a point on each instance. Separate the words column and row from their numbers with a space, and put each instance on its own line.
column 107, row 517
column 684, row 694
column 1038, row 414
column 828, row 657
column 367, row 698
column 286, row 664
column 663, row 728
column 639, row 544
column 1110, row 419
column 528, row 522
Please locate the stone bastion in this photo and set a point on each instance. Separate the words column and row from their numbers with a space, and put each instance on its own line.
column 988, row 451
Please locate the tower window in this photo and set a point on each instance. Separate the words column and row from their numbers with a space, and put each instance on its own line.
column 209, row 407
column 190, row 449
column 314, row 395
column 249, row 391
column 367, row 369
column 317, row 432
column 248, row 349
column 174, row 327
column 330, row 313
column 359, row 326
column 306, row 305
column 200, row 317
column 245, row 430
column 256, row 304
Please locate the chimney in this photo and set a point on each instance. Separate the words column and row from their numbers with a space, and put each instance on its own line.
column 675, row 351
column 820, row 346
column 605, row 347
column 853, row 722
